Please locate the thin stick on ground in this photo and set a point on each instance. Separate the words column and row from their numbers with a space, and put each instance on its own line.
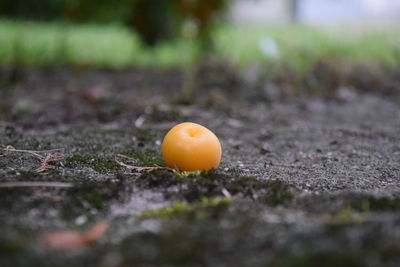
column 35, row 184
column 125, row 157
column 33, row 152
column 44, row 160
column 11, row 148
column 139, row 168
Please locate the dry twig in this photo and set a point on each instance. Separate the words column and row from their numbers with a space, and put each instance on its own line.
column 45, row 160
column 139, row 168
column 34, row 184
column 33, row 152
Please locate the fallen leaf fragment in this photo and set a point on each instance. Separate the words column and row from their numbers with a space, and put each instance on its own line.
column 95, row 233
column 46, row 160
column 74, row 239
column 62, row 239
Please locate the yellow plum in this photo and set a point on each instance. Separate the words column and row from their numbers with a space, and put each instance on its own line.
column 191, row 147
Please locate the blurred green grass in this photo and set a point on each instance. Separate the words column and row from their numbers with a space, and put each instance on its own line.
column 110, row 46
column 298, row 47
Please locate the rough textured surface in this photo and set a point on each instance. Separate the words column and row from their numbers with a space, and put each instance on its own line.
column 309, row 182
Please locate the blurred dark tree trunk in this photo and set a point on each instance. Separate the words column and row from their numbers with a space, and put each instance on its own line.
column 152, row 21
column 203, row 13
column 294, row 10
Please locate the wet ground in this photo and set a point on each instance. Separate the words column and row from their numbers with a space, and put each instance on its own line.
column 307, row 182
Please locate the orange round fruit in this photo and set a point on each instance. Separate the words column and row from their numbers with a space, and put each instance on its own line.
column 191, row 147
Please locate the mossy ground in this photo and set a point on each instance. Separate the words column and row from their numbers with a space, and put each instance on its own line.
column 306, row 183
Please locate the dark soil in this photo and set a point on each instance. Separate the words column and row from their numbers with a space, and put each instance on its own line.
column 310, row 181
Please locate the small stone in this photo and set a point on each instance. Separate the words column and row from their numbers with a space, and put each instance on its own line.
column 265, row 149
column 234, row 143
column 80, row 220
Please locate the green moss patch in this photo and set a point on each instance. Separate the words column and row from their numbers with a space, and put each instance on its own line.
column 180, row 208
column 146, row 159
column 370, row 203
column 100, row 165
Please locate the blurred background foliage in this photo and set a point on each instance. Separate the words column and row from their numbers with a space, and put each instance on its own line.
column 179, row 32
column 153, row 20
